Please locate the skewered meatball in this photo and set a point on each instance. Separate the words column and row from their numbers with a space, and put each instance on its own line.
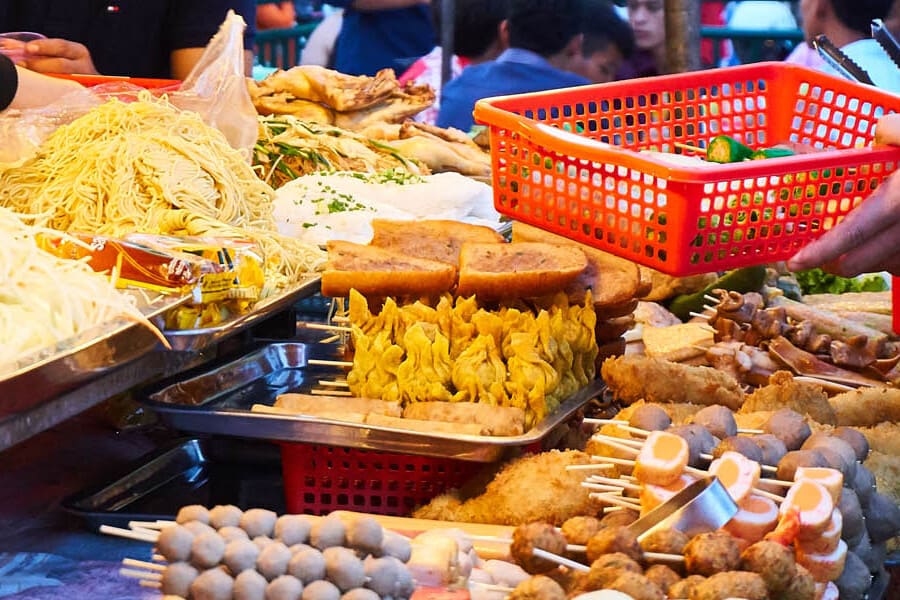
column 539, row 587
column 852, row 513
column 230, row 533
column 740, row 444
column 622, row 517
column 788, row 464
column 396, row 545
column 663, row 576
column 864, row 485
column 360, row 594
column 883, row 518
column 802, row 587
column 578, row 530
column 365, row 534
column 404, row 586
column 772, row 448
column 262, row 541
column 343, row 568
column 836, row 452
column 856, row 439
column 194, row 512
column 213, row 584
column 683, row 588
column 711, row 553
column 273, row 560
column 614, row 539
column 855, row 580
column 177, row 579
column 198, row 528
column 667, row 541
column 250, row 585
column 605, row 570
column 536, row 535
column 650, row 417
column 717, row 419
column 174, row 543
column 293, row 529
column 321, row 590
column 381, row 574
column 225, row 515
column 207, row 550
column 284, row 587
column 700, row 441
column 731, row 584
column 637, row 586
column 240, row 556
column 307, row 565
column 258, row 521
column 328, row 532
column 788, row 426
column 773, row 562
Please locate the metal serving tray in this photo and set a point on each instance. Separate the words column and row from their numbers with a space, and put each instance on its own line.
column 218, row 400
column 186, row 471
column 47, row 373
column 195, row 340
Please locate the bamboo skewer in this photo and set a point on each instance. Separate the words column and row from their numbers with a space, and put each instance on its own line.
column 326, row 383
column 590, row 467
column 137, row 574
column 600, row 487
column 330, row 392
column 153, row 525
column 540, row 553
column 130, row 534
column 326, row 327
column 329, row 363
column 663, row 557
column 143, row 564
column 159, row 558
column 690, row 148
column 625, row 485
column 615, row 501
column 150, row 584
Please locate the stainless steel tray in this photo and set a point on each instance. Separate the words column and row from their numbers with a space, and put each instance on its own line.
column 218, row 401
column 195, row 340
column 47, row 373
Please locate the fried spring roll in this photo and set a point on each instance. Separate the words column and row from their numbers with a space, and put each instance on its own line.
column 316, row 405
column 494, row 420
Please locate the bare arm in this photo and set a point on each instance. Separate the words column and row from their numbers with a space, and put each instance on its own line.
column 39, row 90
column 184, row 59
column 275, row 15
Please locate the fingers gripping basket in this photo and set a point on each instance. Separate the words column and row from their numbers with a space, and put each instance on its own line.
column 570, row 161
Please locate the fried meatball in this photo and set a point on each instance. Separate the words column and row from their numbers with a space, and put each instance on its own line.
column 855, row 580
column 699, row 439
column 667, row 541
column 788, row 464
column 536, row 535
column 773, row 562
column 578, row 530
column 663, row 576
column 614, row 539
column 711, row 553
column 650, row 417
column 771, row 447
column 683, row 588
column 788, row 426
column 802, row 587
column 717, row 419
column 856, row 439
column 605, row 570
column 731, row 584
column 619, row 518
column 740, row 444
column 637, row 586
column 538, row 587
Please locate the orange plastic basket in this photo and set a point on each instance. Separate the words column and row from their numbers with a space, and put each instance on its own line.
column 570, row 161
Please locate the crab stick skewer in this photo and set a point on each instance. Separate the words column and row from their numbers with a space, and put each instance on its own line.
column 737, row 473
column 756, row 516
column 662, row 459
column 825, row 542
column 831, row 479
column 814, row 505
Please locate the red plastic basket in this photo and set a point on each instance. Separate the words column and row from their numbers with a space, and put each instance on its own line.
column 319, row 479
column 568, row 161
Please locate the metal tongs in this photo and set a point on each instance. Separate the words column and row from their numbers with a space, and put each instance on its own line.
column 839, row 61
column 886, row 40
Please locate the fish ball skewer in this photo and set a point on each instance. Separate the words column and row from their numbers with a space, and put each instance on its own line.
column 193, row 512
column 293, row 529
column 343, row 568
column 207, row 550
column 273, row 560
column 321, row 590
column 225, row 515
column 284, row 587
column 174, row 543
column 241, row 555
column 250, row 585
column 177, row 579
column 328, row 532
column 212, row 584
column 365, row 534
column 307, row 565
column 258, row 522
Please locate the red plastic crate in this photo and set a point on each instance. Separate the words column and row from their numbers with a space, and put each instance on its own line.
column 319, row 479
column 550, row 171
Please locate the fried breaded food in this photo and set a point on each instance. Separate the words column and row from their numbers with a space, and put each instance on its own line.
column 437, row 239
column 784, row 392
column 378, row 272
column 531, row 488
column 884, row 437
column 632, row 378
column 493, row 420
column 867, row 406
column 334, row 89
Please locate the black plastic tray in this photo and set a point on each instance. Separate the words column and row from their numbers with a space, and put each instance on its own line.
column 206, row 471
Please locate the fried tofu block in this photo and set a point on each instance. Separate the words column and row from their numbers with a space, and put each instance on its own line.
column 438, row 240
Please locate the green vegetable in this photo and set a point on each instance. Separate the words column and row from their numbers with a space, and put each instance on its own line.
column 771, row 153
column 817, row 281
column 747, row 279
column 725, row 149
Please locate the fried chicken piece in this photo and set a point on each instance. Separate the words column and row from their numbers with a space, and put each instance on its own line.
column 632, row 378
column 332, row 88
column 531, row 488
column 396, row 108
column 784, row 392
column 867, row 407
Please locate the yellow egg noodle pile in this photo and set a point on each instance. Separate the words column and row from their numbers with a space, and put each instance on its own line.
column 45, row 300
column 145, row 166
column 520, row 355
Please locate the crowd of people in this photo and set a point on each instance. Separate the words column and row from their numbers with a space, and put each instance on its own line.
column 501, row 47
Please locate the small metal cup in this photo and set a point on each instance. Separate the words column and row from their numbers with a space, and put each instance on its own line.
column 700, row 507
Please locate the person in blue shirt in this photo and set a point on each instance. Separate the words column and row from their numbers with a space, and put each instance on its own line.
column 380, row 34
column 544, row 50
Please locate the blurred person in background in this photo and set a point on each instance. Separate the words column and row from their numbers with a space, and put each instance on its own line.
column 21, row 88
column 545, row 43
column 379, row 34
column 847, row 24
column 608, row 42
column 319, row 48
column 648, row 22
column 760, row 15
column 138, row 38
column 275, row 15
column 477, row 37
